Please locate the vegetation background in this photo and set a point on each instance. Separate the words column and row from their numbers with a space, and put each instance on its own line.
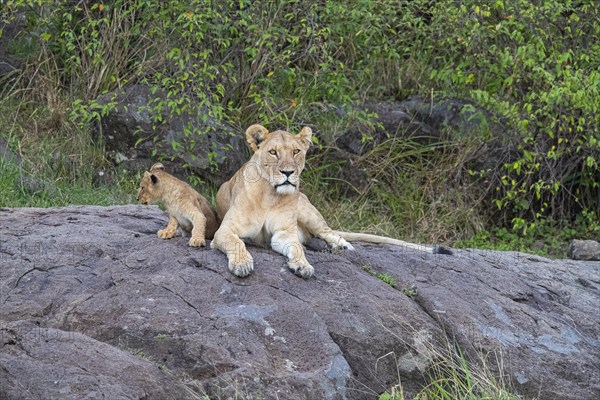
column 534, row 65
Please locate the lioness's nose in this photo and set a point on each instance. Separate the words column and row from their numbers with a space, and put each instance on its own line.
column 287, row 173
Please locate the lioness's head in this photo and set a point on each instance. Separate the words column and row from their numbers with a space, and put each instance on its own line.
column 279, row 155
column 150, row 190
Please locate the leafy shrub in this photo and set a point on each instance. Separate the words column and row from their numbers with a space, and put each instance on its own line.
column 534, row 65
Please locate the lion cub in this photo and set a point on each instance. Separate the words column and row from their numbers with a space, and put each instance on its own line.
column 186, row 207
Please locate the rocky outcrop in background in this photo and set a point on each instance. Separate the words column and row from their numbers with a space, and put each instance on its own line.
column 94, row 305
column 134, row 138
column 135, row 134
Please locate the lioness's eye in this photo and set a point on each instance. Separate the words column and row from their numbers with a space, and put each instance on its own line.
column 272, row 152
column 296, row 151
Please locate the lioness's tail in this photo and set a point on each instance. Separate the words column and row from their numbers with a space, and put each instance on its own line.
column 365, row 237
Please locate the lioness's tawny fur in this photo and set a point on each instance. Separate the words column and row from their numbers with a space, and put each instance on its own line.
column 186, row 207
column 262, row 204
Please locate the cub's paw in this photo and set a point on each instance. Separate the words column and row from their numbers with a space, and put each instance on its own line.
column 303, row 269
column 197, row 242
column 166, row 233
column 242, row 268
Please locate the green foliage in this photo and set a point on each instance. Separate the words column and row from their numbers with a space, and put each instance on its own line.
column 142, row 354
column 410, row 292
column 453, row 378
column 288, row 63
column 394, row 393
column 368, row 269
column 546, row 89
column 387, row 278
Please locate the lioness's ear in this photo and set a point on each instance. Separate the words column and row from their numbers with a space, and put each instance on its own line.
column 305, row 136
column 157, row 167
column 255, row 135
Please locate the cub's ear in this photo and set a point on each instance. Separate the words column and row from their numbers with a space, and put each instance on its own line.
column 157, row 167
column 255, row 135
column 154, row 179
column 305, row 136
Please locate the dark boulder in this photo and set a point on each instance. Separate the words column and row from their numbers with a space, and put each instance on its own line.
column 425, row 123
column 138, row 129
column 421, row 120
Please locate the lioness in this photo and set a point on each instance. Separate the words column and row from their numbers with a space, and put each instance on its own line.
column 262, row 204
column 186, row 207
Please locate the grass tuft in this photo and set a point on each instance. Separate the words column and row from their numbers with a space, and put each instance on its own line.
column 452, row 375
column 410, row 195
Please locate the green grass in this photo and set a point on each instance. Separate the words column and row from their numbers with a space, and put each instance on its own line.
column 53, row 162
column 546, row 238
column 388, row 279
column 452, row 375
column 20, row 189
column 409, row 196
column 142, row 354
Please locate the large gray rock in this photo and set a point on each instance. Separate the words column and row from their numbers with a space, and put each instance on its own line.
column 588, row 250
column 93, row 303
column 541, row 316
column 136, row 134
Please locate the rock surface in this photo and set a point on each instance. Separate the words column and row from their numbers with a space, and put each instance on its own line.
column 587, row 250
column 95, row 305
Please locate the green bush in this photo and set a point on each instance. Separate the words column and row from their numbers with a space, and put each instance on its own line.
column 536, row 67
column 287, row 63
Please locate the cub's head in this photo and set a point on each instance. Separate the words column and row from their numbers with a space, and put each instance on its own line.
column 279, row 156
column 150, row 190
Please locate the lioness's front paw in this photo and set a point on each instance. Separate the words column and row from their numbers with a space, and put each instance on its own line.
column 166, row 233
column 197, row 242
column 242, row 268
column 303, row 269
